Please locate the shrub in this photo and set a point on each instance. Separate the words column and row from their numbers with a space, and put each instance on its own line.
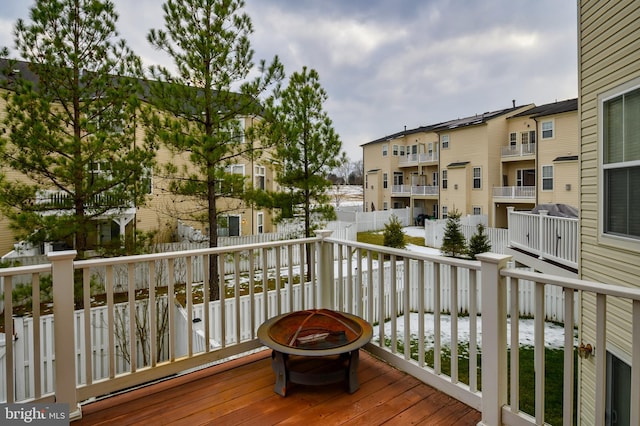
column 393, row 234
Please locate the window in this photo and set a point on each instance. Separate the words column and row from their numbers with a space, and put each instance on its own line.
column 401, row 150
column 435, row 211
column 385, row 206
column 477, row 210
column 385, row 150
column 430, row 150
column 398, row 178
column 385, row 181
column 366, row 181
column 444, row 139
column 618, row 391
column 547, row 178
column 445, row 212
column 445, row 181
column 547, row 130
column 477, row 177
column 435, row 179
column 621, row 164
column 524, row 137
column 395, row 150
column 229, row 226
column 259, row 177
column 260, row 223
column 513, row 139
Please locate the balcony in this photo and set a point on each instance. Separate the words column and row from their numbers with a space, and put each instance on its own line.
column 99, row 351
column 519, row 150
column 411, row 160
column 522, row 193
column 411, row 190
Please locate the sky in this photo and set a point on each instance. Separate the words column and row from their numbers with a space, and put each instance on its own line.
column 391, row 64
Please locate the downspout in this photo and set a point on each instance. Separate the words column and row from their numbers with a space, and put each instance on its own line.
column 535, row 161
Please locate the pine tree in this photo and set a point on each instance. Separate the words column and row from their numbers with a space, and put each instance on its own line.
column 393, row 234
column 70, row 123
column 479, row 242
column 453, row 242
column 208, row 41
column 306, row 148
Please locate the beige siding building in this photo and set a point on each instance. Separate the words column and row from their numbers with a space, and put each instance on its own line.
column 609, row 90
column 478, row 165
column 162, row 210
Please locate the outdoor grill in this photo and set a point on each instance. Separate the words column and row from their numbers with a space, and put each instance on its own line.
column 315, row 347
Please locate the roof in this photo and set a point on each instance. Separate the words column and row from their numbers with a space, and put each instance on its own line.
column 447, row 125
column 566, row 158
column 551, row 109
column 458, row 164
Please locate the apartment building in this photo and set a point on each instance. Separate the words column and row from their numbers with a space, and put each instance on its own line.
column 162, row 209
column 478, row 165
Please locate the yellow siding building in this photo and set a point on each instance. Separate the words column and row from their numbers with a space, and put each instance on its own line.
column 609, row 93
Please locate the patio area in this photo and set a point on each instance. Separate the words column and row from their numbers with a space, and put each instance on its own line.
column 241, row 392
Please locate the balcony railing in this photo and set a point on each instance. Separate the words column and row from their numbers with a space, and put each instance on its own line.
column 377, row 283
column 519, row 150
column 550, row 237
column 409, row 190
column 514, row 192
column 63, row 201
column 424, row 190
column 415, row 159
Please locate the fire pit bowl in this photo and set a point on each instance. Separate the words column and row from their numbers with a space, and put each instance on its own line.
column 315, row 347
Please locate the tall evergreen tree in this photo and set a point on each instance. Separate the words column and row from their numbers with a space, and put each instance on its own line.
column 306, row 149
column 70, row 123
column 208, row 41
column 453, row 242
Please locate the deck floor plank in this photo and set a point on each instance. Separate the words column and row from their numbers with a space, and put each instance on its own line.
column 241, row 392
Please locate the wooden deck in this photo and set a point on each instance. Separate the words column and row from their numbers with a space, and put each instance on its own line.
column 241, row 392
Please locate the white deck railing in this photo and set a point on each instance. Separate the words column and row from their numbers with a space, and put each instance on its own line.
column 514, row 192
column 487, row 288
column 519, row 150
column 549, row 237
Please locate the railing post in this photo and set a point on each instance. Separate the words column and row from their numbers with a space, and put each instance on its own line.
column 325, row 270
column 63, row 312
column 510, row 210
column 494, row 338
column 543, row 213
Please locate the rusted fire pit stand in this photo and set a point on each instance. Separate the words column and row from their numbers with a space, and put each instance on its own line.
column 315, row 347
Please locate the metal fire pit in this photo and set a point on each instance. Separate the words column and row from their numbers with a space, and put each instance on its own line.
column 315, row 347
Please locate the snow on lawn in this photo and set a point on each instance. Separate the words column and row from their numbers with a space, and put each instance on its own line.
column 553, row 333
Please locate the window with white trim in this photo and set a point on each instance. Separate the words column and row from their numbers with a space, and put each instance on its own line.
column 259, row 173
column 621, row 163
column 513, row 138
column 398, row 178
column 385, row 180
column 260, row 223
column 547, row 178
column 547, row 129
column 445, row 212
column 477, row 177
column 477, row 210
column 385, row 150
column 444, row 140
column 434, row 179
column 401, row 150
column 385, row 206
column 445, row 181
column 395, row 150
